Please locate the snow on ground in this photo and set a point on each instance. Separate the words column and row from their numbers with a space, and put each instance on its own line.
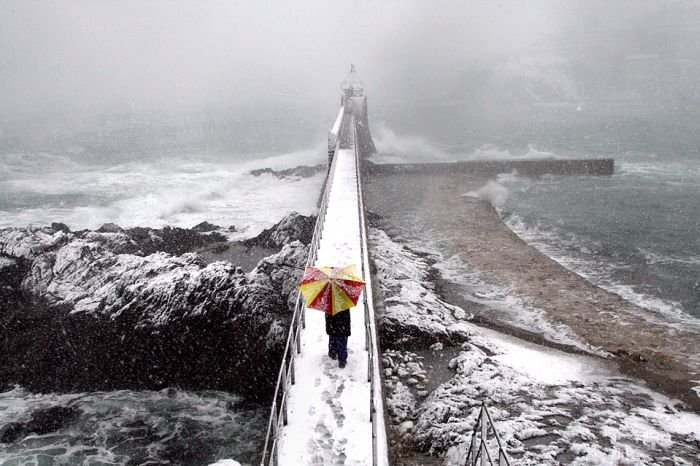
column 549, row 407
column 329, row 407
column 16, row 242
column 6, row 262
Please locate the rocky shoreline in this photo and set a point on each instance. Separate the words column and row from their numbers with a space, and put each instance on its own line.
column 551, row 407
column 599, row 375
column 140, row 309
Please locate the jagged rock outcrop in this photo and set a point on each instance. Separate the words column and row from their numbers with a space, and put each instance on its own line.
column 294, row 227
column 88, row 311
column 301, row 171
column 413, row 315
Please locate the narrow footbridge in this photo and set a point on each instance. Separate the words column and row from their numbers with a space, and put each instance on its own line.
column 322, row 414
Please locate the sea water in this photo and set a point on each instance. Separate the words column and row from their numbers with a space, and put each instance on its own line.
column 137, row 427
column 635, row 233
column 85, row 185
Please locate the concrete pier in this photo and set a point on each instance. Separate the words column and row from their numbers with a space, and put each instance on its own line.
column 531, row 167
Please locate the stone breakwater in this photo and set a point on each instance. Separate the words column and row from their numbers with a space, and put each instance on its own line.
column 139, row 309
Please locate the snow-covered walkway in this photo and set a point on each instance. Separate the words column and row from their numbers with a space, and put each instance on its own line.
column 329, row 407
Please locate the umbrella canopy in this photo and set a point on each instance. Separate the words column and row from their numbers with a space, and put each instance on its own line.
column 331, row 289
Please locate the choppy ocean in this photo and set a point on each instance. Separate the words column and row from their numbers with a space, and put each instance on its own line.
column 636, row 233
column 81, row 188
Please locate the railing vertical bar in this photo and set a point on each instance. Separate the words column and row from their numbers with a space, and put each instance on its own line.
column 292, row 372
column 484, row 434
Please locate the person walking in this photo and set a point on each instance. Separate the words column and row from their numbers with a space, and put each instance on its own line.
column 338, row 330
column 333, row 290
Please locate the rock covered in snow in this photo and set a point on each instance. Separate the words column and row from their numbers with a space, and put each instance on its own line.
column 588, row 416
column 293, row 227
column 301, row 171
column 32, row 241
column 280, row 273
column 86, row 276
column 90, row 311
column 6, row 262
column 414, row 315
column 401, row 404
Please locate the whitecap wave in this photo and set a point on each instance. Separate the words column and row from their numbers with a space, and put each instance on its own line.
column 493, row 192
column 136, row 427
column 177, row 191
column 489, row 152
column 394, row 148
column 533, row 153
column 583, row 260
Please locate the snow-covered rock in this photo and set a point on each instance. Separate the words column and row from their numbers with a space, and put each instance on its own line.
column 31, row 242
column 6, row 262
column 413, row 313
column 549, row 407
column 293, row 227
column 110, row 316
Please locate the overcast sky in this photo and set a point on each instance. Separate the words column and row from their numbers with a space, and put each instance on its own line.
column 104, row 55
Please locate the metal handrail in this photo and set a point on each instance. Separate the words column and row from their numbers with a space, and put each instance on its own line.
column 278, row 409
column 480, row 453
column 371, row 340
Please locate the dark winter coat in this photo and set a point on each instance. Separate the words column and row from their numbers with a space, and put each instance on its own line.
column 338, row 325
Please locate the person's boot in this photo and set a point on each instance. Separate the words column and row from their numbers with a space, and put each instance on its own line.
column 342, row 364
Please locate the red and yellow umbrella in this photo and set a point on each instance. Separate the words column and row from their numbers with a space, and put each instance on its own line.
column 331, row 289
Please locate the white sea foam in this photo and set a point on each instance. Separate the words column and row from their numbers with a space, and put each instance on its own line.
column 21, row 163
column 400, row 148
column 503, row 303
column 654, row 258
column 686, row 171
column 552, row 245
column 533, row 153
column 395, row 148
column 176, row 191
column 124, row 426
column 488, row 152
column 493, row 192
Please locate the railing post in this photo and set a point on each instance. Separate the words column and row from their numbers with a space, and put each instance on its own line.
column 291, row 369
column 275, row 428
column 284, row 397
column 472, row 454
column 373, row 420
column 484, row 433
column 298, row 336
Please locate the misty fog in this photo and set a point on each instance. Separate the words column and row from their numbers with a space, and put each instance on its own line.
column 204, row 70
